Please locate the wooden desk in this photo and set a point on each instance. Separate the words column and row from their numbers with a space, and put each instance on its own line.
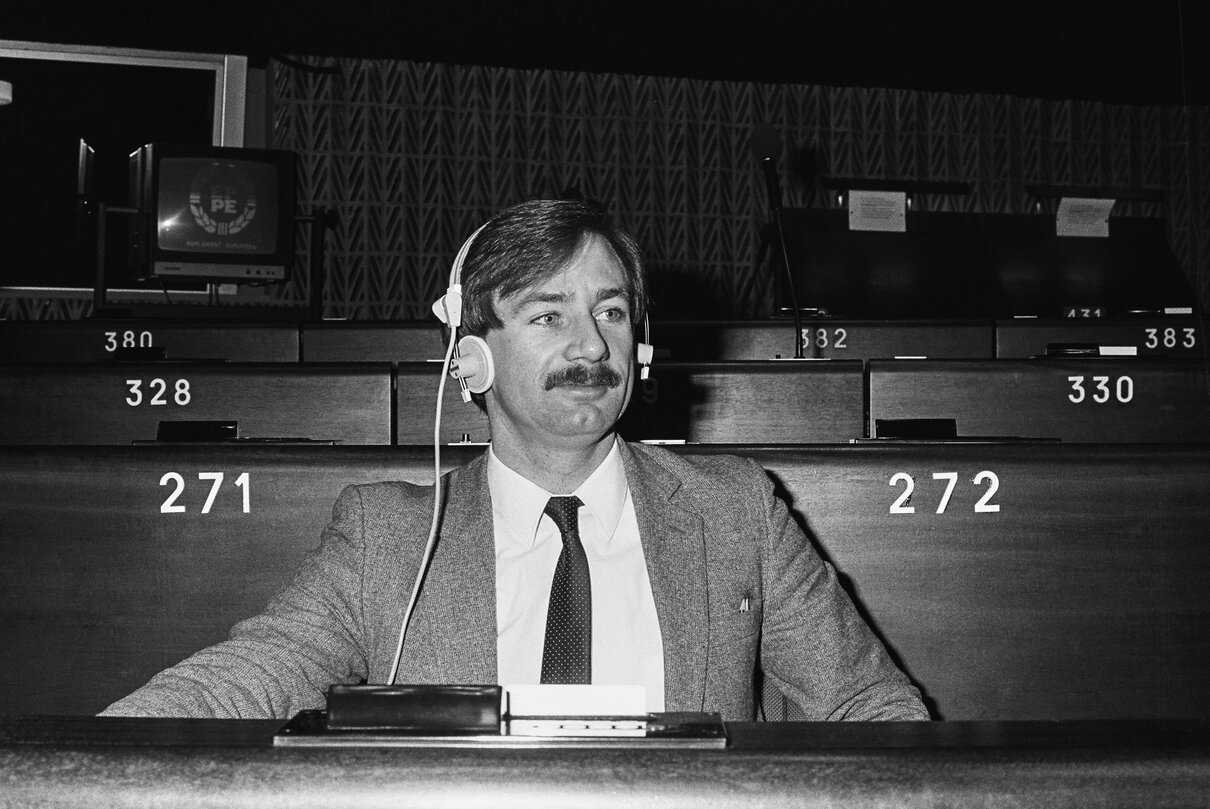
column 358, row 341
column 684, row 340
column 1010, row 581
column 117, row 403
column 1114, row 400
column 1153, row 336
column 822, row 338
column 1051, row 765
column 67, row 341
column 707, row 403
column 1023, row 581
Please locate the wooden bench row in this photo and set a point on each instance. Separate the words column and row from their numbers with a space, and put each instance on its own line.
column 1011, row 581
column 1154, row 335
column 1115, row 400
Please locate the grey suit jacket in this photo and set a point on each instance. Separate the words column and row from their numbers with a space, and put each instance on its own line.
column 737, row 587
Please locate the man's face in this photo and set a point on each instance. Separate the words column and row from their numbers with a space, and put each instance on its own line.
column 564, row 355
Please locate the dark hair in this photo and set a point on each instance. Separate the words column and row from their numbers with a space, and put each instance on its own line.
column 528, row 243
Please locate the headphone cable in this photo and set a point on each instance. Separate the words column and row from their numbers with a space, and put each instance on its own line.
column 431, row 543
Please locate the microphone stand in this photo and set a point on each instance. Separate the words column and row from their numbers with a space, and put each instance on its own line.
column 774, row 192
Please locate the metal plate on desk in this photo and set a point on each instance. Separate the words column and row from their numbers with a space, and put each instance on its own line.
column 99, row 340
column 117, row 403
column 1115, row 400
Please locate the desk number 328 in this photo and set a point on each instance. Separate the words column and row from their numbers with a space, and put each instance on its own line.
column 170, row 505
column 983, row 506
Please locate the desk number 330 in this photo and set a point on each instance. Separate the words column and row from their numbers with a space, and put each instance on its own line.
column 983, row 506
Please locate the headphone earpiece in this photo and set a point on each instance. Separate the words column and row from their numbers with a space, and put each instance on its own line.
column 645, row 354
column 474, row 367
column 644, row 351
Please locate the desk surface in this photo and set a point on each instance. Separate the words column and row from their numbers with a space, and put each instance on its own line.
column 48, row 761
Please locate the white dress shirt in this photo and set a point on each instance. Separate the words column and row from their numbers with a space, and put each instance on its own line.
column 627, row 648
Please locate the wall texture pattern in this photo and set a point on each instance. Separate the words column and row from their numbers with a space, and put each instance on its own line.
column 414, row 156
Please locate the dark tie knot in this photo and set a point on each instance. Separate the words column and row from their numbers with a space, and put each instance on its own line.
column 565, row 512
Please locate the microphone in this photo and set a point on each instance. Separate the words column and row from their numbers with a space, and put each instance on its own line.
column 766, row 145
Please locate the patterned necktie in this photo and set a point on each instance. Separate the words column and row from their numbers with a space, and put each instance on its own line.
column 567, row 650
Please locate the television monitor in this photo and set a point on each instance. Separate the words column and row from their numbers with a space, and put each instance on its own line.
column 212, row 213
column 116, row 100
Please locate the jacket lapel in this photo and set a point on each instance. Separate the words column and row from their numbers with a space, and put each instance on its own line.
column 456, row 613
column 674, row 547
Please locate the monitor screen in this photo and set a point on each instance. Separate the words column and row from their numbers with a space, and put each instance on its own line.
column 217, row 206
column 212, row 213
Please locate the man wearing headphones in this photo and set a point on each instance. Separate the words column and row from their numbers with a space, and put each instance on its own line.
column 563, row 554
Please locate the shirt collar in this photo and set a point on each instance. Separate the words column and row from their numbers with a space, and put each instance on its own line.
column 520, row 502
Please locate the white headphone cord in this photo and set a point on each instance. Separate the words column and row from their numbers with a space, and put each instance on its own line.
column 432, row 540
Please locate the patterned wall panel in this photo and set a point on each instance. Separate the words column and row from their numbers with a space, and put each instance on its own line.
column 413, row 157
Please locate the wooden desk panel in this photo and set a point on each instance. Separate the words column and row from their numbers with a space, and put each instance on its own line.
column 99, row 340
column 1112, row 400
column 705, row 341
column 117, row 403
column 716, row 403
column 354, row 341
column 683, row 341
column 1079, row 589
column 778, row 402
column 1157, row 336
column 121, row 561
column 1056, row 582
column 416, row 406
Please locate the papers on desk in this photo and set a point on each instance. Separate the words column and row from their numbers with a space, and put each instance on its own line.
column 576, row 710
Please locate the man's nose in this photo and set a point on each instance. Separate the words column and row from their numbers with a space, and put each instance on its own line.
column 587, row 342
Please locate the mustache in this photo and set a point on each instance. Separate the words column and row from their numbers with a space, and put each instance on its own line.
column 583, row 375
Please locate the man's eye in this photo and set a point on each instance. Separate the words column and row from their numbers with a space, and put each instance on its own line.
column 548, row 319
column 612, row 315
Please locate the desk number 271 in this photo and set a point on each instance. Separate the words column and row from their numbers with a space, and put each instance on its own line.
column 175, row 479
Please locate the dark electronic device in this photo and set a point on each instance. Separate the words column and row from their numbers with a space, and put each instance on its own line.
column 212, row 213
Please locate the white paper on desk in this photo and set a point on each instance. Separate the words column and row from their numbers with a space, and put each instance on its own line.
column 576, row 700
column 1083, row 217
column 878, row 210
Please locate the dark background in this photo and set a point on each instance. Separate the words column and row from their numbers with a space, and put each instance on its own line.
column 1125, row 52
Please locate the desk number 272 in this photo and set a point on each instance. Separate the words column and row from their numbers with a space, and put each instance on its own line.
column 983, row 506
